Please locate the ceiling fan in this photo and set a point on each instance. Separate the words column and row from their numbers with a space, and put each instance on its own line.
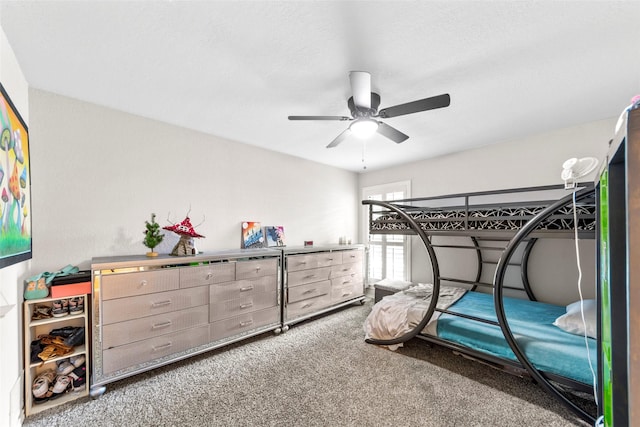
column 364, row 111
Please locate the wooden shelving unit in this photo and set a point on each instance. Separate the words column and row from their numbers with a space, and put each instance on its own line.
column 35, row 328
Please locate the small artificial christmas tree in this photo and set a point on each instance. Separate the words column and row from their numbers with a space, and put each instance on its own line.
column 152, row 235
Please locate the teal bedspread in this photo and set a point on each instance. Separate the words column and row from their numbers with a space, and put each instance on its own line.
column 547, row 347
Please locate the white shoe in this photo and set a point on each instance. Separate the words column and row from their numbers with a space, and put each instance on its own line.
column 77, row 361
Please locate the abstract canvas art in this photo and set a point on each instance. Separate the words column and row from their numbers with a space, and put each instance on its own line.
column 252, row 236
column 15, row 185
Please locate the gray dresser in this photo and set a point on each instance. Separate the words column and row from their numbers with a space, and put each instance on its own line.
column 148, row 312
column 320, row 279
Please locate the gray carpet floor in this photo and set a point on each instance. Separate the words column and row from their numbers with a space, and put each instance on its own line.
column 319, row 373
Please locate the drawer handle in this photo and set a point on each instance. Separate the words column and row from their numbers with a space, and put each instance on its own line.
column 346, row 282
column 160, row 303
column 143, row 283
column 312, row 276
column 347, row 294
column 246, row 323
column 246, row 288
column 258, row 268
column 247, row 305
column 307, row 305
column 161, row 325
column 161, row 347
column 309, row 291
column 209, row 276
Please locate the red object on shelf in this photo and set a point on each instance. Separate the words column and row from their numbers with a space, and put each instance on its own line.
column 71, row 285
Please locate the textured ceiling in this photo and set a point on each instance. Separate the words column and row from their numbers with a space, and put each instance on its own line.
column 237, row 69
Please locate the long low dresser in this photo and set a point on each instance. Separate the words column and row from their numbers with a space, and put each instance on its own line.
column 320, row 279
column 149, row 312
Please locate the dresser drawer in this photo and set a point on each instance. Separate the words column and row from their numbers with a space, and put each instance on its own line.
column 117, row 334
column 347, row 280
column 257, row 268
column 239, row 324
column 345, row 290
column 207, row 274
column 346, row 270
column 307, row 261
column 307, row 306
column 243, row 288
column 308, row 276
column 228, row 308
column 352, row 256
column 310, row 290
column 130, row 355
column 140, row 283
column 118, row 310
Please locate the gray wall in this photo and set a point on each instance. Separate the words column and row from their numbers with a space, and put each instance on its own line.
column 98, row 174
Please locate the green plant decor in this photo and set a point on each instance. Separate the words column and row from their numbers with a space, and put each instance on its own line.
column 152, row 235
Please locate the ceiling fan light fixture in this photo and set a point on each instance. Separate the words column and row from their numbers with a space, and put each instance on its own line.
column 364, row 127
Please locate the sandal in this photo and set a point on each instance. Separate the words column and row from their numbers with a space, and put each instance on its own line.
column 65, row 367
column 54, row 350
column 51, row 339
column 77, row 361
column 62, row 385
column 41, row 312
column 79, row 376
column 40, row 387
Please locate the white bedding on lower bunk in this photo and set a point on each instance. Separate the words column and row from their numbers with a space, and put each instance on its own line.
column 397, row 314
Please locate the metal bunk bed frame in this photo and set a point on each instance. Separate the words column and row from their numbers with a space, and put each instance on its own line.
column 530, row 226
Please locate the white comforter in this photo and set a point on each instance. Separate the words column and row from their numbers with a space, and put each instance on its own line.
column 397, row 314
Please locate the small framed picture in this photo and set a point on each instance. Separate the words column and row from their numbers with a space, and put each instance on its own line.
column 274, row 235
column 252, row 236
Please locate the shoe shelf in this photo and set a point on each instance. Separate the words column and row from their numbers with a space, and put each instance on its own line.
column 35, row 367
column 78, row 350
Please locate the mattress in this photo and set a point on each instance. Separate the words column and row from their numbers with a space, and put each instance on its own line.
column 547, row 347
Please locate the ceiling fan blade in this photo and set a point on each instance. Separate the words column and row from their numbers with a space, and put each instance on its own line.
column 416, row 106
column 339, row 118
column 392, row 133
column 361, row 89
column 344, row 135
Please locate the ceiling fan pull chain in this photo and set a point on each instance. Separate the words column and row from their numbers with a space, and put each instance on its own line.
column 363, row 151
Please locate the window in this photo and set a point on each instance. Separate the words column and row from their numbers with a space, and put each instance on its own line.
column 388, row 254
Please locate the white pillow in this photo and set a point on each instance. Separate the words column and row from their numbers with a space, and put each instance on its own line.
column 392, row 284
column 572, row 321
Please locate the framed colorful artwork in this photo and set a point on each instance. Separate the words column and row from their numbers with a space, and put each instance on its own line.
column 15, row 185
column 252, row 236
column 274, row 235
